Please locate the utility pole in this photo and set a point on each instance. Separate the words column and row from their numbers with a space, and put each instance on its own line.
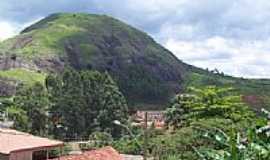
column 145, row 150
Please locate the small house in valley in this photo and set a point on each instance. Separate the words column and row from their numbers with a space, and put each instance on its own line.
column 155, row 118
column 15, row 145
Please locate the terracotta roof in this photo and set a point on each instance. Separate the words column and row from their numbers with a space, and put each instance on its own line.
column 106, row 153
column 13, row 141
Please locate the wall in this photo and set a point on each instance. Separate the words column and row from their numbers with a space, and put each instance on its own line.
column 24, row 155
column 4, row 157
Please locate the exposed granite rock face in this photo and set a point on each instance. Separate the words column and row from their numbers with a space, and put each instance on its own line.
column 7, row 87
column 50, row 64
column 22, row 42
column 13, row 61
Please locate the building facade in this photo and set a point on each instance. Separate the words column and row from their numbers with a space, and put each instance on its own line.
column 155, row 118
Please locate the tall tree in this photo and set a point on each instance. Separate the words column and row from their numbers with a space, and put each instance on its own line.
column 178, row 113
column 67, row 103
column 34, row 101
column 105, row 102
column 86, row 101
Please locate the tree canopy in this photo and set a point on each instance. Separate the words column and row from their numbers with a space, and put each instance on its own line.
column 206, row 102
column 84, row 102
column 69, row 105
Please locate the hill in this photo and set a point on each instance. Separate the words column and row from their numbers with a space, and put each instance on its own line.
column 147, row 73
column 256, row 92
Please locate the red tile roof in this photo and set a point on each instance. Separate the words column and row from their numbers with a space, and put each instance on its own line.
column 14, row 141
column 106, row 153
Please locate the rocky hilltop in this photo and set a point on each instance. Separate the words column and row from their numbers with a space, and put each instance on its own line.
column 147, row 73
column 144, row 70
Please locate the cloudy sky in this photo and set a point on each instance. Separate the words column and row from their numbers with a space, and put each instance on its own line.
column 230, row 35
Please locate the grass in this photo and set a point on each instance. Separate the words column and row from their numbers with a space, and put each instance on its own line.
column 23, row 75
column 50, row 35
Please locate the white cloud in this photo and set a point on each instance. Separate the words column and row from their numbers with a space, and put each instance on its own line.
column 234, row 57
column 7, row 30
column 156, row 6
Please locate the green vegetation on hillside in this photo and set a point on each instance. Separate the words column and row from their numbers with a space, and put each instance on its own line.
column 23, row 75
column 49, row 35
column 245, row 86
column 255, row 92
column 144, row 71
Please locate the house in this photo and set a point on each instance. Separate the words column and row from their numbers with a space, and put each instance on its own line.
column 106, row 153
column 153, row 117
column 15, row 145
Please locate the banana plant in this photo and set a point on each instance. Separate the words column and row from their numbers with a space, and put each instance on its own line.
column 233, row 146
column 265, row 129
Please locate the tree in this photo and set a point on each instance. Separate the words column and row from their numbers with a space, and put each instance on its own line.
column 66, row 95
column 107, row 101
column 178, row 113
column 84, row 102
column 14, row 114
column 34, row 101
column 223, row 102
column 19, row 117
column 207, row 102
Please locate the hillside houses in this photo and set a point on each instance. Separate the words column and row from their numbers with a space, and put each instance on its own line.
column 155, row 118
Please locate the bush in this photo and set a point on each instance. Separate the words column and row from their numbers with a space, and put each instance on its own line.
column 56, row 152
column 97, row 140
column 128, row 146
